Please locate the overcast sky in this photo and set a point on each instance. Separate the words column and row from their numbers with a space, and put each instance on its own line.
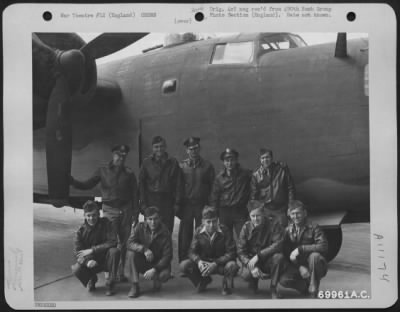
column 153, row 39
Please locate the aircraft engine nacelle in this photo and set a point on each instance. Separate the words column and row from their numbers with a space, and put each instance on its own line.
column 65, row 78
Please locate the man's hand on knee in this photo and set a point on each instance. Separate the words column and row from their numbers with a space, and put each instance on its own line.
column 149, row 255
column 202, row 265
column 294, row 254
column 305, row 274
column 211, row 268
column 91, row 264
column 256, row 273
column 252, row 263
column 150, row 274
column 84, row 253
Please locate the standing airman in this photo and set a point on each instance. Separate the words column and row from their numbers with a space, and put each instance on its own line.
column 198, row 177
column 119, row 193
column 160, row 182
column 273, row 185
column 231, row 190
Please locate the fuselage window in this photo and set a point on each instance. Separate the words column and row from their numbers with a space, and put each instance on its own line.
column 233, row 53
column 169, row 86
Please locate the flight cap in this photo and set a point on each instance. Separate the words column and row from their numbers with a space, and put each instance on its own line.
column 157, row 139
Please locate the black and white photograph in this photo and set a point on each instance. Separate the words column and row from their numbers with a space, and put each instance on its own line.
column 198, row 127
column 181, row 168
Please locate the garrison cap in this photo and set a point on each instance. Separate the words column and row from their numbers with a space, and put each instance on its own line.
column 90, row 206
column 254, row 205
column 157, row 139
column 120, row 149
column 229, row 152
column 192, row 141
column 209, row 212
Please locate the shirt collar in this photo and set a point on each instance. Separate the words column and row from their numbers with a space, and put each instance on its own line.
column 235, row 171
column 157, row 230
column 90, row 227
column 265, row 224
column 203, row 229
column 305, row 225
column 112, row 166
column 163, row 158
column 194, row 163
column 264, row 170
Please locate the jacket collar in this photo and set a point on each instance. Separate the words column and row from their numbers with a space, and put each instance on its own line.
column 203, row 229
column 263, row 170
column 163, row 158
column 265, row 226
column 194, row 163
column 112, row 166
column 235, row 171
column 161, row 229
column 293, row 230
column 91, row 227
column 213, row 236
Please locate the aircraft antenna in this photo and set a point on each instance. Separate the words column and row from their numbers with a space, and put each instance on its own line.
column 341, row 45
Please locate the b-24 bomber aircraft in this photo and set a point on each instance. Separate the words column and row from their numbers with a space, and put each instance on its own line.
column 309, row 104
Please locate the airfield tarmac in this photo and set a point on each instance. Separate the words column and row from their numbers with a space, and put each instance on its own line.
column 53, row 234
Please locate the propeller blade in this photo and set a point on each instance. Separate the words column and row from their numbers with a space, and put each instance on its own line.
column 59, row 142
column 43, row 63
column 108, row 43
column 39, row 47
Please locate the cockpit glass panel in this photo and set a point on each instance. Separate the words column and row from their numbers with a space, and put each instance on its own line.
column 233, row 53
column 280, row 42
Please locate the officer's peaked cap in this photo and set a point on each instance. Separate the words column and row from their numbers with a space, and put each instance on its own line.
column 121, row 149
column 192, row 141
column 229, row 152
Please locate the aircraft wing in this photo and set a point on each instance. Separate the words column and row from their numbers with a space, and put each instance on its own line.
column 331, row 219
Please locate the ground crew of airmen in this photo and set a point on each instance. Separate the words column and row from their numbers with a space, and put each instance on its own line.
column 246, row 224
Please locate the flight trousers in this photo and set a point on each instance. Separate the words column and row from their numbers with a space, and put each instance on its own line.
column 317, row 267
column 274, row 266
column 192, row 271
column 165, row 203
column 137, row 263
column 191, row 211
column 276, row 214
column 121, row 219
column 107, row 262
column 233, row 218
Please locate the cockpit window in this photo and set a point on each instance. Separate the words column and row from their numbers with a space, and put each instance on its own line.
column 233, row 53
column 281, row 42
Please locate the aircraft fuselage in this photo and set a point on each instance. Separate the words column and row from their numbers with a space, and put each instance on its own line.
column 306, row 105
